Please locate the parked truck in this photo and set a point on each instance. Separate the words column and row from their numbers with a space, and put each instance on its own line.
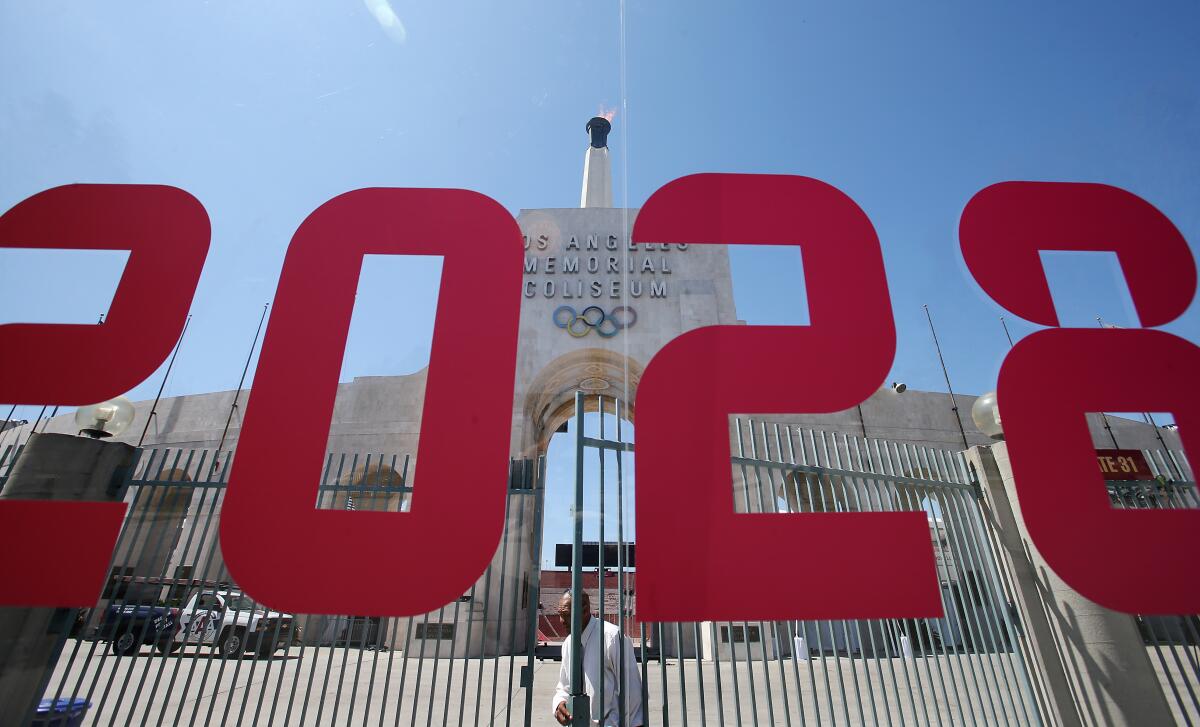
column 224, row 619
column 233, row 623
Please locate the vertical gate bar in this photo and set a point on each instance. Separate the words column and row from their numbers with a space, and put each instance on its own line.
column 224, row 661
column 600, row 568
column 792, row 625
column 462, row 689
column 1009, row 645
column 682, row 676
column 308, row 621
column 523, row 465
column 762, row 500
column 699, row 672
column 816, row 502
column 798, row 627
column 436, row 660
column 362, row 642
column 978, row 637
column 847, row 466
column 783, row 625
column 912, row 674
column 333, row 649
column 512, row 651
column 645, row 675
column 209, row 564
column 805, row 453
column 312, row 669
column 423, row 628
column 662, row 673
column 150, row 480
column 716, row 647
column 578, row 696
column 994, row 551
column 487, row 606
column 920, row 624
column 953, row 666
column 862, row 491
column 187, row 547
column 350, row 618
column 513, row 626
column 836, row 462
column 928, row 688
column 214, row 652
column 733, row 673
column 535, row 589
column 980, row 630
column 745, row 624
column 973, row 523
column 122, row 601
column 959, row 657
column 884, row 486
column 997, row 617
column 917, row 496
column 822, row 459
column 390, row 622
column 380, row 628
column 404, row 668
column 216, row 490
column 893, row 459
column 121, row 538
column 1003, row 616
column 499, row 607
column 412, row 713
column 151, row 542
column 869, row 483
column 148, row 663
column 981, row 627
column 621, row 410
column 762, row 627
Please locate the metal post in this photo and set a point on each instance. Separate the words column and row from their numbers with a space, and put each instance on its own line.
column 581, row 711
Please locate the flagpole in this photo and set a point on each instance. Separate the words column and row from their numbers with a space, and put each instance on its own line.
column 246, row 368
column 946, row 374
column 163, row 385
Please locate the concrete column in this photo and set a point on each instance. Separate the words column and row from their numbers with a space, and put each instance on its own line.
column 1092, row 661
column 51, row 467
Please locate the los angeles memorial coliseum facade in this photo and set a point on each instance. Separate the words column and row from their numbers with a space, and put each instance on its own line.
column 594, row 312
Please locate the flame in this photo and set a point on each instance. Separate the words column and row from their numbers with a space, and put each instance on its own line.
column 607, row 115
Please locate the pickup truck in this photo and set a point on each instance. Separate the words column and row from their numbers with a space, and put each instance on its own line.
column 226, row 620
column 233, row 623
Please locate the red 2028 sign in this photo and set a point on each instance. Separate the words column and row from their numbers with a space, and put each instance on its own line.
column 1048, row 381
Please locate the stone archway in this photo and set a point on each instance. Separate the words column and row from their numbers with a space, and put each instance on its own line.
column 550, row 397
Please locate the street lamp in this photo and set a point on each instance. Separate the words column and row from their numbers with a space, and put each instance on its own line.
column 986, row 415
column 106, row 419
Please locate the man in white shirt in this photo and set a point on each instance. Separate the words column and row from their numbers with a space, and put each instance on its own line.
column 602, row 644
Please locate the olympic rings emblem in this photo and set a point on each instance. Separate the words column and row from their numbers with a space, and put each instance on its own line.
column 606, row 325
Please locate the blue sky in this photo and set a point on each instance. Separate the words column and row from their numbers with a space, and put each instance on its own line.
column 265, row 110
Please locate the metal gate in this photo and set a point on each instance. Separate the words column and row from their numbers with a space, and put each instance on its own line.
column 173, row 641
column 964, row 668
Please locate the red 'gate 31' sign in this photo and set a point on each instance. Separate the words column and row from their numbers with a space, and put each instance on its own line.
column 884, row 565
